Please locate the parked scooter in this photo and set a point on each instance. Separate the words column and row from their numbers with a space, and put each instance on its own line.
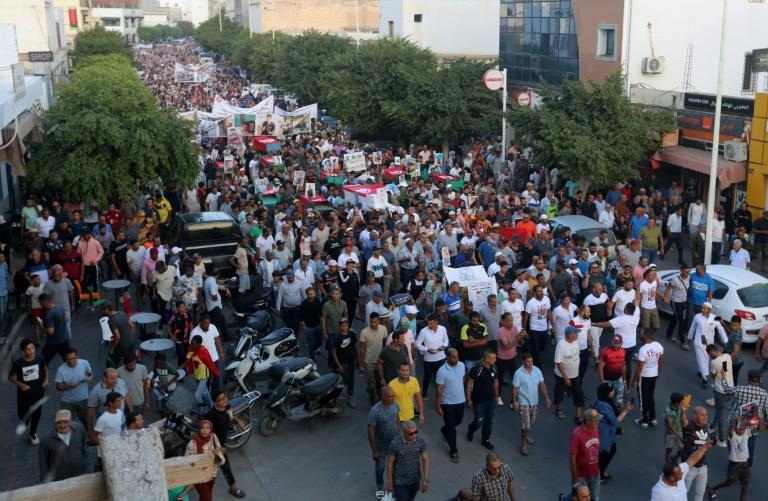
column 241, row 375
column 324, row 396
column 178, row 428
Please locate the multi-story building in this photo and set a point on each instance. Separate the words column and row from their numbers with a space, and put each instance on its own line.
column 442, row 26
column 77, row 17
column 121, row 16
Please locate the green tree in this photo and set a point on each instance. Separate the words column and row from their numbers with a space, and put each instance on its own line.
column 446, row 104
column 211, row 38
column 186, row 27
column 106, row 135
column 152, row 34
column 98, row 41
column 365, row 85
column 593, row 134
column 258, row 55
column 303, row 59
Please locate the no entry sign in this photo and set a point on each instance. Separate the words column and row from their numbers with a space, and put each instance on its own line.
column 493, row 79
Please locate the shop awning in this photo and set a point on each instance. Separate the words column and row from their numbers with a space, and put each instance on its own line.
column 698, row 160
column 25, row 128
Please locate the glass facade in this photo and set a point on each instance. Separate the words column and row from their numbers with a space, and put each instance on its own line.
column 538, row 41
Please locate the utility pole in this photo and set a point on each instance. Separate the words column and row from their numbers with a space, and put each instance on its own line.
column 221, row 6
column 274, row 19
column 357, row 23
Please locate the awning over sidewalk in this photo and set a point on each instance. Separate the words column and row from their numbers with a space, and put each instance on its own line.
column 698, row 160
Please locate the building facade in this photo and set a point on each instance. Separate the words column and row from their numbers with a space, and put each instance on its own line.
column 341, row 17
column 441, row 26
column 77, row 17
column 121, row 16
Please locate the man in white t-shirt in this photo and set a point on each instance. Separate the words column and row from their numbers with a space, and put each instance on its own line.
column 111, row 421
column 521, row 284
column 562, row 315
column 567, row 372
column 210, row 335
column 647, row 292
column 626, row 326
column 671, row 486
column 538, row 318
column 515, row 307
column 622, row 297
column 650, row 359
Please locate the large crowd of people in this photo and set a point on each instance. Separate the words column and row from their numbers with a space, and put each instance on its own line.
column 563, row 306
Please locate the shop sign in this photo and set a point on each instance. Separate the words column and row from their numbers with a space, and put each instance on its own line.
column 700, row 121
column 707, row 102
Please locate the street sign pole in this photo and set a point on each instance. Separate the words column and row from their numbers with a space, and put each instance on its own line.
column 503, row 162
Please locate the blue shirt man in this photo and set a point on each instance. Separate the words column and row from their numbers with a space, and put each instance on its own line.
column 637, row 223
column 701, row 286
column 451, row 381
column 527, row 382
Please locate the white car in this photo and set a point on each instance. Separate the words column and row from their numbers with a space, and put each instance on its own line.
column 737, row 292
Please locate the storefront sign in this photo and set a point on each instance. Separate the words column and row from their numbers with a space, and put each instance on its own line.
column 759, row 60
column 700, row 121
column 730, row 105
column 40, row 57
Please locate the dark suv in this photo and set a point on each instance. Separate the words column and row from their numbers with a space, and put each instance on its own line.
column 213, row 235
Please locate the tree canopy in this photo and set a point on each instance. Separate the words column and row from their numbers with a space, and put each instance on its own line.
column 211, row 38
column 258, row 55
column 186, row 27
column 150, row 34
column 106, row 135
column 98, row 41
column 302, row 62
column 592, row 133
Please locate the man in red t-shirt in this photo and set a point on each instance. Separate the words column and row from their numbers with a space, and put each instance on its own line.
column 584, row 451
column 612, row 369
column 527, row 225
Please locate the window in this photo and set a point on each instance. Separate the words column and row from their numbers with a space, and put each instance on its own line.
column 721, row 290
column 110, row 21
column 417, row 18
column 606, row 42
column 749, row 78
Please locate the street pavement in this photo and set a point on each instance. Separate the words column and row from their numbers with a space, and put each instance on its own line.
column 333, row 462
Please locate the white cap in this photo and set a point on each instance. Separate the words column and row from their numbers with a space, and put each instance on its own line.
column 707, row 304
column 176, row 250
column 332, row 262
column 543, row 216
column 411, row 310
column 572, row 261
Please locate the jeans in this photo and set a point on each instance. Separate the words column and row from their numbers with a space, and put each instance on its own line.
column 484, row 412
column 203, row 396
column 537, row 342
column 78, row 410
column 604, row 458
column 406, row 492
column 507, row 366
column 618, row 389
column 697, row 478
column 647, row 402
column 226, row 469
column 594, row 486
column 290, row 316
column 628, row 352
column 717, row 249
column 348, row 376
column 3, row 309
column 29, row 417
column 584, row 356
column 650, row 254
column 314, row 336
column 675, row 239
column 722, row 406
column 381, row 464
column 680, row 319
column 453, row 414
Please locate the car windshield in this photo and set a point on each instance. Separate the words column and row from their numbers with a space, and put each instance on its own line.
column 590, row 234
column 754, row 296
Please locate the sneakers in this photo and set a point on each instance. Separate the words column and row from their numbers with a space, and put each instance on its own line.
column 380, row 494
column 488, row 445
column 499, row 401
column 710, row 402
column 722, row 443
column 33, row 439
column 641, row 423
column 654, row 422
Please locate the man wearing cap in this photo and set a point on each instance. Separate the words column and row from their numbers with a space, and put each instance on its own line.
column 289, row 297
column 612, row 369
column 282, row 254
column 584, row 452
column 702, row 332
column 63, row 452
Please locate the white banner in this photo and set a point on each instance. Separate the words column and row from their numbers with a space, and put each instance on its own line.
column 192, row 73
column 354, row 162
column 298, row 121
column 478, row 292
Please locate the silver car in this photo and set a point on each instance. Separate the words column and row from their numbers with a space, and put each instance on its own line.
column 586, row 228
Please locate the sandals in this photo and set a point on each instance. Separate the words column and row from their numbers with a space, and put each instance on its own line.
column 560, row 414
column 239, row 493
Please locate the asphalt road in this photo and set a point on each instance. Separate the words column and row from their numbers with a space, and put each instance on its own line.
column 333, row 461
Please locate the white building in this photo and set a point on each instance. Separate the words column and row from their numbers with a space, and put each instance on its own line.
column 194, row 11
column 674, row 45
column 118, row 19
column 22, row 98
column 450, row 28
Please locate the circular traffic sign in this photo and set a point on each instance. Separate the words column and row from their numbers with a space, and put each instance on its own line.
column 493, row 79
column 524, row 99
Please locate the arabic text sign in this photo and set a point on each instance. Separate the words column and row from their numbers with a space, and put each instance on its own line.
column 354, row 162
column 708, row 102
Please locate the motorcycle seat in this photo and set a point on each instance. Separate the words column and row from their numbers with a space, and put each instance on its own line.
column 276, row 336
column 276, row 371
column 321, row 385
column 257, row 320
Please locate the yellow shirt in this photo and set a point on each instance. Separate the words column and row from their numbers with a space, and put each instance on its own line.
column 163, row 209
column 404, row 393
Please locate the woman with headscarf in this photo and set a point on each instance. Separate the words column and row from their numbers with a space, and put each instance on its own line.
column 608, row 426
column 204, row 442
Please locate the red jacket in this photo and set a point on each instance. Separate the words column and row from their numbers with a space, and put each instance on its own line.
column 205, row 357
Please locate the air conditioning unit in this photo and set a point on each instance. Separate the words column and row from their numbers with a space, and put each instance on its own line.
column 653, row 64
column 735, row 151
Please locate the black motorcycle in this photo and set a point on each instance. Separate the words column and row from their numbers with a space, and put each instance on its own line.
column 292, row 400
